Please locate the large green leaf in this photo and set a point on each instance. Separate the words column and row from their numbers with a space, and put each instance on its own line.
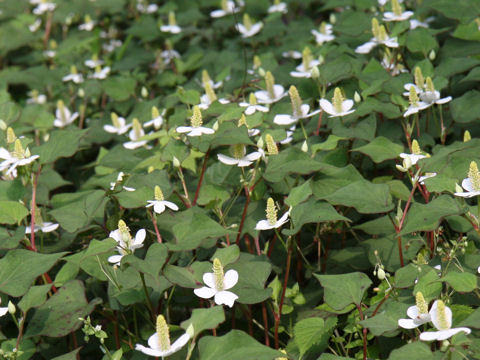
column 380, row 149
column 313, row 332
column 203, row 319
column 61, row 143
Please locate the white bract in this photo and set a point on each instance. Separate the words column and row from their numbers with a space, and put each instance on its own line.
column 18, row 157
column 160, row 204
column 339, row 105
column 418, row 314
column 416, row 154
column 380, row 37
column 471, row 183
column 325, row 33
column 415, row 104
column 42, row 6
column 146, row 8
column 125, row 244
column 172, row 26
column 63, row 116
column 299, row 110
column 227, row 8
column 271, row 222
column 196, row 128
column 119, row 126
column 252, row 106
column 157, row 118
column 239, row 156
column 159, row 342
column 35, row 26
column 88, row 25
column 247, row 29
column 93, row 62
column 441, row 317
column 218, row 284
column 273, row 93
column 278, row 6
column 209, row 97
column 100, row 73
column 36, row 98
column 43, row 227
column 119, row 181
column 397, row 13
column 135, row 134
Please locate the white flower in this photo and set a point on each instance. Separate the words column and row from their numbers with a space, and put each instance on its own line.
column 147, row 9
column 339, row 105
column 427, row 94
column 380, row 37
column 119, row 181
column 36, row 98
column 111, row 45
column 416, row 154
column 43, row 7
column 205, row 101
column 292, row 54
column 422, row 179
column 325, row 34
column 441, row 316
column 299, row 110
column 49, row 53
column 35, row 26
column 239, row 158
column 63, row 116
column 3, row 310
column 159, row 342
column 119, row 125
column 252, row 106
column 308, row 63
column 157, row 118
column 126, row 245
column 418, row 314
column 280, row 7
column 44, row 227
column 172, row 26
column 100, row 73
column 471, row 183
column 271, row 222
column 218, row 284
column 88, row 25
column 289, row 135
column 247, row 29
column 397, row 13
column 196, row 121
column 73, row 76
column 160, row 204
column 135, row 134
column 273, row 93
column 93, row 62
column 227, row 8
column 18, row 157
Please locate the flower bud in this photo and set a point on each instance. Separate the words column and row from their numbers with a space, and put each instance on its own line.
column 144, row 92
column 315, row 73
column 332, row 19
column 176, row 162
column 81, row 92
column 3, row 125
column 380, row 274
column 215, row 126
column 357, row 97
column 432, row 55
column 304, row 147
column 11, row 308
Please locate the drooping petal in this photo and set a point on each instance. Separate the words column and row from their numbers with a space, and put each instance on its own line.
column 230, row 279
column 282, row 220
column 467, row 184
column 140, row 237
column 225, row 298
column 205, row 292
column 183, row 129
column 149, row 351
column 179, row 343
column 446, row 334
column 170, row 205
column 49, row 227
column 254, row 156
column 115, row 235
column 366, row 48
column 412, row 312
column 264, row 225
column 3, row 310
column 429, row 336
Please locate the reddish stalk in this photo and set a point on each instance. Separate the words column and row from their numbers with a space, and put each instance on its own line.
column 380, row 304
column 154, row 221
column 359, row 307
column 319, row 125
column 265, row 324
column 204, row 167
column 48, row 28
column 244, row 215
column 32, row 211
column 398, row 228
column 284, row 289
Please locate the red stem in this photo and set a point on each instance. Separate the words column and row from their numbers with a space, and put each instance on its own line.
column 359, row 307
column 244, row 215
column 154, row 221
column 265, row 323
column 204, row 167
column 284, row 289
column 33, row 206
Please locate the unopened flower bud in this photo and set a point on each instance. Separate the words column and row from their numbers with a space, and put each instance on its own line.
column 11, row 308
column 176, row 162
column 315, row 73
column 144, row 92
column 380, row 274
column 81, row 92
column 332, row 19
column 432, row 55
column 304, row 147
column 357, row 97
column 3, row 125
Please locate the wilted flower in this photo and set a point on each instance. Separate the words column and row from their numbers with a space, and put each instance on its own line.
column 172, row 26
column 239, row 158
column 471, row 183
column 325, row 33
column 196, row 128
column 135, row 134
column 125, row 244
column 247, row 29
column 339, row 105
column 273, row 93
column 380, row 37
column 63, row 116
column 271, row 222
column 160, row 204
column 418, row 314
column 218, row 284
column 441, row 317
column 299, row 110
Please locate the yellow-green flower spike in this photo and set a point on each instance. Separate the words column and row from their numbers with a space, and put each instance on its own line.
column 337, row 100
column 11, row 137
column 218, row 274
column 163, row 333
column 115, row 121
column 323, row 28
column 238, row 151
column 87, row 19
column 269, row 82
column 271, row 212
column 242, row 121
column 416, row 148
column 412, row 96
column 171, row 19
column 296, row 101
column 396, row 8
column 256, row 62
column 205, row 78
column 61, row 107
column 382, row 33
column 158, row 193
column 73, row 69
column 252, row 99
column 196, row 119
column 306, row 58
column 247, row 22
column 210, row 92
column 375, row 28
column 473, row 175
column 155, row 112
column 272, row 148
column 224, row 5
column 422, row 305
column 53, row 44
column 137, row 128
column 124, row 234
column 18, row 150
column 419, row 79
column 443, row 323
column 429, row 84
column 467, row 136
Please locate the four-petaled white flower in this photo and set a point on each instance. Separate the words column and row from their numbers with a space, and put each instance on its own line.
column 126, row 245
column 100, row 73
column 120, row 181
column 278, row 6
column 18, row 157
column 471, row 183
column 304, row 70
column 415, row 156
column 325, row 34
column 159, row 342
column 42, row 6
column 252, row 106
column 397, row 14
column 273, row 93
column 63, row 116
column 218, row 284
column 227, row 8
column 299, row 110
column 157, row 118
column 172, row 26
column 135, row 134
column 88, row 25
column 119, row 126
column 239, row 158
column 93, row 62
column 160, row 204
column 247, row 29
column 73, row 76
column 418, row 314
column 271, row 222
column 427, row 95
column 380, row 37
column 196, row 121
column 339, row 105
column 441, row 317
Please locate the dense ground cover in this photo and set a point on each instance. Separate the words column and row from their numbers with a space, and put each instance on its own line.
column 226, row 180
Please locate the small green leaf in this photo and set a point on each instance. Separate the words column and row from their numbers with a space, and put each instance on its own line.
column 12, row 212
column 380, row 149
column 312, row 332
column 204, row 319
